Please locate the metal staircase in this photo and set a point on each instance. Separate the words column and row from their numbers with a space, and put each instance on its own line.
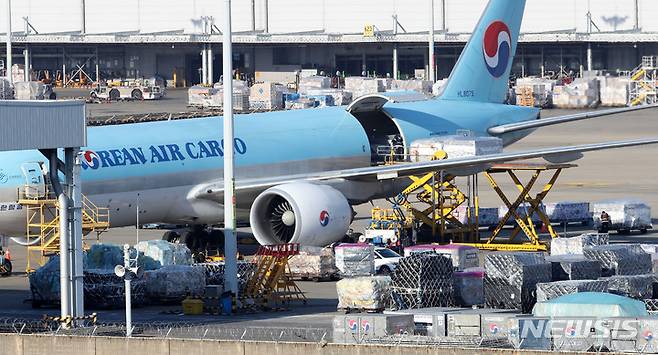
column 642, row 86
column 42, row 227
column 271, row 283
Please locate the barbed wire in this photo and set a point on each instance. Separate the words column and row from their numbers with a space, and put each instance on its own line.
column 171, row 330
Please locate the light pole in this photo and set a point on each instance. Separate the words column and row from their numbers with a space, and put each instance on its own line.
column 8, row 63
column 128, row 272
column 231, row 244
column 432, row 77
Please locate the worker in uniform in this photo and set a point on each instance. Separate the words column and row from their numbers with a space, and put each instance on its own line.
column 605, row 222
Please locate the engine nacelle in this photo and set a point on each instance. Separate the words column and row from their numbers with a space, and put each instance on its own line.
column 300, row 212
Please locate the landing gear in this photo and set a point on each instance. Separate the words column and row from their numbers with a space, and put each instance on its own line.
column 203, row 243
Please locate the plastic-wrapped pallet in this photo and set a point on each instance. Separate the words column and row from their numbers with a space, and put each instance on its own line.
column 266, row 96
column 6, row 90
column 462, row 256
column 17, row 72
column 437, row 88
column 487, row 216
column 175, row 282
column 575, row 245
column 422, row 280
column 355, row 259
column 199, row 95
column 424, row 86
column 541, row 90
column 365, row 292
column 300, row 103
column 510, row 279
column 44, row 282
column 104, row 289
column 620, row 259
column 240, row 96
column 614, row 91
column 215, row 272
column 469, row 287
column 103, row 257
column 313, row 83
column 522, row 211
column 633, row 286
column 30, row 90
column 624, row 214
column 652, row 249
column 313, row 262
column 456, row 146
column 581, row 93
column 550, row 290
column 340, row 97
column 165, row 253
column 322, row 100
column 568, row 211
column 360, row 86
column 574, row 267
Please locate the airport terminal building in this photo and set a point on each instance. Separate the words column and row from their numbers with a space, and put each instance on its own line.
column 143, row 38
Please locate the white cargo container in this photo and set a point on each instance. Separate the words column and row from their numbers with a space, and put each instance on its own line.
column 456, row 146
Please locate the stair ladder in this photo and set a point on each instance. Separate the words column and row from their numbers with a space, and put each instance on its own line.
column 271, row 284
column 43, row 218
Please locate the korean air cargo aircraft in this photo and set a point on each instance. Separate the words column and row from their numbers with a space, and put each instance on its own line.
column 299, row 172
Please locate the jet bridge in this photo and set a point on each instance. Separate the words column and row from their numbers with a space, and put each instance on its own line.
column 50, row 126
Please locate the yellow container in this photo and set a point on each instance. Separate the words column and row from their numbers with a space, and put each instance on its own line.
column 192, row 307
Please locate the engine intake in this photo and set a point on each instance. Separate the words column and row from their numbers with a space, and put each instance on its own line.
column 300, row 212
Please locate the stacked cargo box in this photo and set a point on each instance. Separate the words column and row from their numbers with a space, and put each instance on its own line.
column 574, row 267
column 423, row 280
column 614, row 91
column 582, row 93
column 360, row 86
column 313, row 262
column 620, row 259
column 511, row 278
column 550, row 290
column 624, row 215
column 266, row 96
column 359, row 290
column 456, row 146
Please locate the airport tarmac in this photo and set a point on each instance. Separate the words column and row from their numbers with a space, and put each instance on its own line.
column 612, row 174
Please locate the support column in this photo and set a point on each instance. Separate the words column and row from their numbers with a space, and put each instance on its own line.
column 431, row 76
column 83, row 20
column 28, row 62
column 8, row 62
column 204, row 65
column 72, row 162
column 210, row 65
column 98, row 72
column 266, row 23
column 253, row 15
column 395, row 62
column 589, row 56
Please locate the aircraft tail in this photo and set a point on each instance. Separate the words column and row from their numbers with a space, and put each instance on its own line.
column 482, row 71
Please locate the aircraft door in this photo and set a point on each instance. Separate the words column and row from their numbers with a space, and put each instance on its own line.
column 35, row 182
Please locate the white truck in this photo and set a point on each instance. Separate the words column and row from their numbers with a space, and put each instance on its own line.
column 149, row 89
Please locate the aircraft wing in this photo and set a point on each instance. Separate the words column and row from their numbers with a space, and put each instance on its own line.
column 512, row 127
column 214, row 190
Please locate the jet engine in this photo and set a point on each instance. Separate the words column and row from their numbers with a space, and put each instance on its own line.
column 300, row 212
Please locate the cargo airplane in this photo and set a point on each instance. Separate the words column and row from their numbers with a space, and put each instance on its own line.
column 298, row 173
